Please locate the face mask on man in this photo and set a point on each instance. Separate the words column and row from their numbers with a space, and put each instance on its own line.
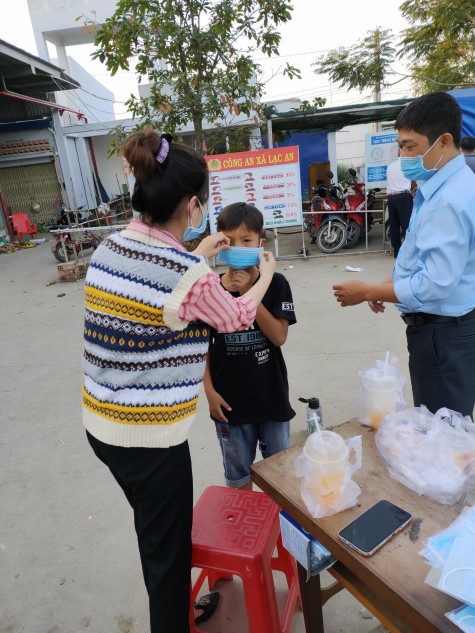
column 240, row 257
column 413, row 166
column 192, row 232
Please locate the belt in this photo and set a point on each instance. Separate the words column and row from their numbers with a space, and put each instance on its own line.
column 398, row 193
column 416, row 319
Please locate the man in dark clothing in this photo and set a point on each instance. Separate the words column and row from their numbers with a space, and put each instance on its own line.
column 467, row 145
column 399, row 190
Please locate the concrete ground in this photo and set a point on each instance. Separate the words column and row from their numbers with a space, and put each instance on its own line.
column 68, row 555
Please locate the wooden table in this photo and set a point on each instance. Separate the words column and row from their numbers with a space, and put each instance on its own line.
column 391, row 582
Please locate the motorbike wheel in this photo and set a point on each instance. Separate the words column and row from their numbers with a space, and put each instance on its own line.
column 309, row 227
column 353, row 231
column 331, row 236
column 59, row 253
column 96, row 241
column 387, row 232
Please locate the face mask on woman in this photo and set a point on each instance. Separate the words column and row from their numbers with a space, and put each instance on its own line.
column 413, row 166
column 192, row 232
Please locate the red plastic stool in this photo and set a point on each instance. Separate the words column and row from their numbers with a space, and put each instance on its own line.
column 236, row 532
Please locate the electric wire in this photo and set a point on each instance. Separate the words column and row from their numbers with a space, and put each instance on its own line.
column 92, row 94
column 434, row 81
column 71, row 100
column 88, row 106
column 258, row 59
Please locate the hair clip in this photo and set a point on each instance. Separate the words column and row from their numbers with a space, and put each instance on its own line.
column 162, row 154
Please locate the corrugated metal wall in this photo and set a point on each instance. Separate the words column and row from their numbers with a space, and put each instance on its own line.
column 30, row 184
column 15, row 110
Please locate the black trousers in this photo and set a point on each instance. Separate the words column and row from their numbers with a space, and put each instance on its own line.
column 399, row 210
column 442, row 365
column 158, row 485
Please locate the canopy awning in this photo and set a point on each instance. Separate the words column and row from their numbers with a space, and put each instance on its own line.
column 27, row 74
column 332, row 119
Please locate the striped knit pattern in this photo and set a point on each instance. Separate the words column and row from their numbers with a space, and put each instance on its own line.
column 143, row 366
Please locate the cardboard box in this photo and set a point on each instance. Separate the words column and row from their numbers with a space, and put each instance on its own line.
column 309, row 552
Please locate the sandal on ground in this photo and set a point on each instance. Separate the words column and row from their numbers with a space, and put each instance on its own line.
column 207, row 604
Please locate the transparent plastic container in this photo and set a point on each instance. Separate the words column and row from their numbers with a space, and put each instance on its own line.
column 379, row 395
column 328, row 454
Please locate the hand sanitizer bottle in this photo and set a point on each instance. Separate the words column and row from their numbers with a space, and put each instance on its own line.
column 314, row 414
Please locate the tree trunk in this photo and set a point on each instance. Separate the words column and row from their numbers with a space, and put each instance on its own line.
column 377, row 87
column 200, row 144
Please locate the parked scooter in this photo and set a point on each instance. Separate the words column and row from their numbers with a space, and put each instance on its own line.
column 65, row 246
column 356, row 204
column 328, row 229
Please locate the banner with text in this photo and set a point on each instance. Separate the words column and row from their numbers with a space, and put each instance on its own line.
column 380, row 151
column 268, row 179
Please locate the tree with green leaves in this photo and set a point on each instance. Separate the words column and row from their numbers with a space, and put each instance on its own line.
column 440, row 43
column 197, row 56
column 366, row 64
column 311, row 106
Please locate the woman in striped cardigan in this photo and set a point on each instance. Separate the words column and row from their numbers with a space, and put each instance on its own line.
column 149, row 305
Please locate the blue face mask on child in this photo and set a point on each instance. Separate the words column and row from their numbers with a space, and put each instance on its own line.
column 240, row 257
column 413, row 166
column 192, row 232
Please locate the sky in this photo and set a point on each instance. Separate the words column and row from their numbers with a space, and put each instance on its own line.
column 315, row 29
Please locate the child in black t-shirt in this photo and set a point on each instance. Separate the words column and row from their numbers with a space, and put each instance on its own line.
column 246, row 378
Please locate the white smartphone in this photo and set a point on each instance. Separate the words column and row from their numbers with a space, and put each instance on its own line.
column 372, row 529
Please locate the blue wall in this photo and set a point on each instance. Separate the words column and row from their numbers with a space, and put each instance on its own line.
column 313, row 148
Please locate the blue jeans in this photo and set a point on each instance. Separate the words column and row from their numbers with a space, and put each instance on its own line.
column 442, row 365
column 239, row 442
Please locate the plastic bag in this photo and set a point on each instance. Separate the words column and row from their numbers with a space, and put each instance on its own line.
column 434, row 455
column 451, row 554
column 382, row 390
column 309, row 552
column 327, row 486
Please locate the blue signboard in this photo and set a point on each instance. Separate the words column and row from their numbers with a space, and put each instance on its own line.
column 376, row 174
column 380, row 151
column 377, row 139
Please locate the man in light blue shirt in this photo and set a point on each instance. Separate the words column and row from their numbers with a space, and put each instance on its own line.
column 433, row 283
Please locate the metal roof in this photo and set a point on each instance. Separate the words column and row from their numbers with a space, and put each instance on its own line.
column 332, row 119
column 27, row 74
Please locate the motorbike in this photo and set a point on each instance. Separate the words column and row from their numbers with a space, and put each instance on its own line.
column 119, row 202
column 328, row 229
column 356, row 203
column 66, row 245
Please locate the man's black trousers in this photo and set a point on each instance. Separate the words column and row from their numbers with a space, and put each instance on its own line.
column 399, row 211
column 442, row 365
